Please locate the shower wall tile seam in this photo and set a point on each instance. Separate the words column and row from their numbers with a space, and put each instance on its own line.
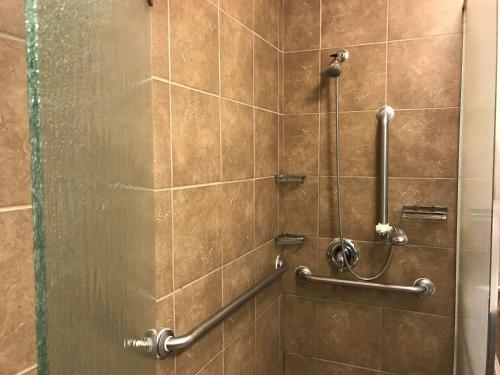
column 177, row 84
column 358, row 368
column 26, row 370
column 11, row 37
column 370, row 110
column 380, row 306
column 215, row 270
column 388, row 41
column 250, row 30
column 16, row 208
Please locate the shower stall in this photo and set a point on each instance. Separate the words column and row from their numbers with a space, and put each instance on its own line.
column 264, row 187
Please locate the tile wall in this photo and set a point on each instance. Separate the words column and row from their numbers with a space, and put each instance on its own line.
column 17, row 311
column 217, row 108
column 405, row 53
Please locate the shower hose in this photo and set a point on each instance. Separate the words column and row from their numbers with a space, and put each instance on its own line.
column 339, row 199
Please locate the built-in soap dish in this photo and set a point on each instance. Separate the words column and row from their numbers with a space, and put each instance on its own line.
column 289, row 239
column 283, row 178
column 425, row 212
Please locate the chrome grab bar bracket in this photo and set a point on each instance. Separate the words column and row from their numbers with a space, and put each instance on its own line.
column 422, row 286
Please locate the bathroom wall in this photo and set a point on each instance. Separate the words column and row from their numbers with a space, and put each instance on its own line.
column 405, row 53
column 216, row 108
column 17, row 317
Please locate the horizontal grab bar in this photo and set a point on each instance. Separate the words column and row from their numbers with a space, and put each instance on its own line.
column 167, row 342
column 423, row 287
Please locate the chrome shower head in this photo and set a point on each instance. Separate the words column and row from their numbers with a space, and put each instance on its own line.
column 334, row 69
column 398, row 237
column 338, row 57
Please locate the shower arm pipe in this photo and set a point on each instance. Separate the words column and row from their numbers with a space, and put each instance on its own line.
column 423, row 287
column 384, row 116
column 166, row 340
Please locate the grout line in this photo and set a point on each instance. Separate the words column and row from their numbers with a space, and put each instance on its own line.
column 26, row 370
column 250, row 30
column 16, row 208
column 381, row 307
column 318, row 144
column 12, row 37
column 386, row 82
column 172, row 236
column 374, row 43
column 177, row 84
column 220, row 268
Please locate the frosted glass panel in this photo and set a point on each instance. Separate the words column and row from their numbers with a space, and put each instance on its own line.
column 92, row 158
column 475, row 253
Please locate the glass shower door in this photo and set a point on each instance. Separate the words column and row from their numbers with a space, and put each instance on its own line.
column 92, row 167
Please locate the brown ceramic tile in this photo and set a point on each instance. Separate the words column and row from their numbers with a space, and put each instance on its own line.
column 266, row 210
column 266, row 143
column 300, row 325
column 302, row 24
column 194, row 304
column 17, row 308
column 239, row 9
column 358, row 142
column 15, row 156
column 267, row 328
column 300, row 255
column 165, row 319
column 415, row 81
column 301, row 70
column 236, row 60
column 238, row 277
column 372, row 259
column 163, row 243
column 214, row 367
column 239, row 356
column 414, row 18
column 237, row 141
column 196, row 137
column 266, row 19
column 195, row 57
column 12, row 18
column 159, row 39
column 266, row 75
column 299, row 207
column 348, row 22
column 298, row 365
column 161, row 119
column 197, row 238
column 424, row 143
column 424, row 192
column 359, row 325
column 359, row 210
column 300, row 144
column 404, row 331
column 264, row 263
column 410, row 263
column 362, row 82
column 330, row 368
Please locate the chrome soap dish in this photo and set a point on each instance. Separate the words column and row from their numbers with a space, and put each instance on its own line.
column 289, row 239
column 425, row 212
column 286, row 178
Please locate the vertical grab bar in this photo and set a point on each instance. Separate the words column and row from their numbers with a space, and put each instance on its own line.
column 384, row 115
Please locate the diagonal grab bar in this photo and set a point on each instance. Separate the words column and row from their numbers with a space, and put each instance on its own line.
column 423, row 287
column 167, row 342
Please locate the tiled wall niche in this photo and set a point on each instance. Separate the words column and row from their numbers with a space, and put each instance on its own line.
column 217, row 106
column 17, row 311
column 407, row 54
